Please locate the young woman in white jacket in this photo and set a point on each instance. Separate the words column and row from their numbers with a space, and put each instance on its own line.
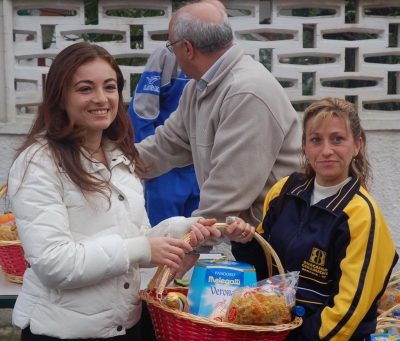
column 76, row 193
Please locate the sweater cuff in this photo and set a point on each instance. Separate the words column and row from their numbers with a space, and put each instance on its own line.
column 176, row 227
column 138, row 250
column 181, row 227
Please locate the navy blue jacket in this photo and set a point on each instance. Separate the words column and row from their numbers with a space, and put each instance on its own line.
column 343, row 250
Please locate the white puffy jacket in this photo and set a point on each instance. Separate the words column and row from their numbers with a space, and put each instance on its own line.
column 81, row 283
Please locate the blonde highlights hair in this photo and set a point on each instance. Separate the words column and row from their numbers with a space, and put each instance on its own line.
column 322, row 111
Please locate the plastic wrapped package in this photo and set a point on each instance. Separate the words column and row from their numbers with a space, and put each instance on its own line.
column 267, row 302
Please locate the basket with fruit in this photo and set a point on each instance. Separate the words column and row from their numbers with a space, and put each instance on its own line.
column 12, row 260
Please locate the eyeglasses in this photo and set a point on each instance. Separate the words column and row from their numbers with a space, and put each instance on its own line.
column 168, row 45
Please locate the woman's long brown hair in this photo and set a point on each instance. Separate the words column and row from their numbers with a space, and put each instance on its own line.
column 63, row 137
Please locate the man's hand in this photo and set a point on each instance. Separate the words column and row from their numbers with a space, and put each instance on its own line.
column 186, row 264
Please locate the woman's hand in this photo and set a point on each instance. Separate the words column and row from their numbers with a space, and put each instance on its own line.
column 199, row 234
column 168, row 251
column 202, row 231
column 240, row 231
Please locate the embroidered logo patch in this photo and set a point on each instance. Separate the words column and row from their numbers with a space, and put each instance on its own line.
column 316, row 264
column 318, row 257
column 153, row 79
column 149, row 83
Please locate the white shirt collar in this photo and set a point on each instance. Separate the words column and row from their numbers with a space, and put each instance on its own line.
column 208, row 76
column 321, row 192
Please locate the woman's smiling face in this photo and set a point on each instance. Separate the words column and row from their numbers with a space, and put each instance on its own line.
column 330, row 149
column 92, row 96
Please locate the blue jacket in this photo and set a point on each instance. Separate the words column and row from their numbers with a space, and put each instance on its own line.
column 157, row 93
column 343, row 250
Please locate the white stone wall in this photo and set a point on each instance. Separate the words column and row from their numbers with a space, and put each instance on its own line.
column 18, row 63
column 384, row 155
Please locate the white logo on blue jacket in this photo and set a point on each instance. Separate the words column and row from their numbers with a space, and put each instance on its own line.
column 153, row 79
column 149, row 83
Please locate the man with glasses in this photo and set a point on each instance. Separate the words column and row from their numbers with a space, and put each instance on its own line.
column 175, row 193
column 234, row 121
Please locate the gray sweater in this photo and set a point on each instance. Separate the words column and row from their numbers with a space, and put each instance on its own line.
column 241, row 133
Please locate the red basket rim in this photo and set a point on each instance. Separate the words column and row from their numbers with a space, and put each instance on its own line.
column 149, row 297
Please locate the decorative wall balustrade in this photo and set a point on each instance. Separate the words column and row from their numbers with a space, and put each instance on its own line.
column 315, row 49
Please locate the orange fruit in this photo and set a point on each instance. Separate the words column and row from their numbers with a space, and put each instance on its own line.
column 7, row 217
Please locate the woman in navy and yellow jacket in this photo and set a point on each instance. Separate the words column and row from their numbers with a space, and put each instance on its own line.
column 330, row 230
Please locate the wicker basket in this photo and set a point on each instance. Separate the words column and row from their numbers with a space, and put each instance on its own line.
column 12, row 260
column 384, row 304
column 175, row 325
column 385, row 320
column 394, row 279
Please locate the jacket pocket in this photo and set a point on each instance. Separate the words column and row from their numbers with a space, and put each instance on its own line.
column 89, row 300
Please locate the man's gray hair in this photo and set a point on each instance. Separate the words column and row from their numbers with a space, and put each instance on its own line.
column 208, row 37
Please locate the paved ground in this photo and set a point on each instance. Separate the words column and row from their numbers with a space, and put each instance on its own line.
column 7, row 331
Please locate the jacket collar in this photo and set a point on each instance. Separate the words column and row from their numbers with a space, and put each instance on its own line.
column 335, row 203
column 230, row 60
column 113, row 155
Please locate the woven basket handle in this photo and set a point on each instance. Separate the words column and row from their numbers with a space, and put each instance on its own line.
column 267, row 248
column 3, row 189
column 387, row 313
column 385, row 321
column 388, row 323
column 269, row 253
column 394, row 278
column 164, row 273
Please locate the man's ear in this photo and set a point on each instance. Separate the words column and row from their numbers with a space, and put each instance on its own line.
column 189, row 49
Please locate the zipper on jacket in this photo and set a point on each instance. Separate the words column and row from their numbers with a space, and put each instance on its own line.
column 297, row 234
column 300, row 228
